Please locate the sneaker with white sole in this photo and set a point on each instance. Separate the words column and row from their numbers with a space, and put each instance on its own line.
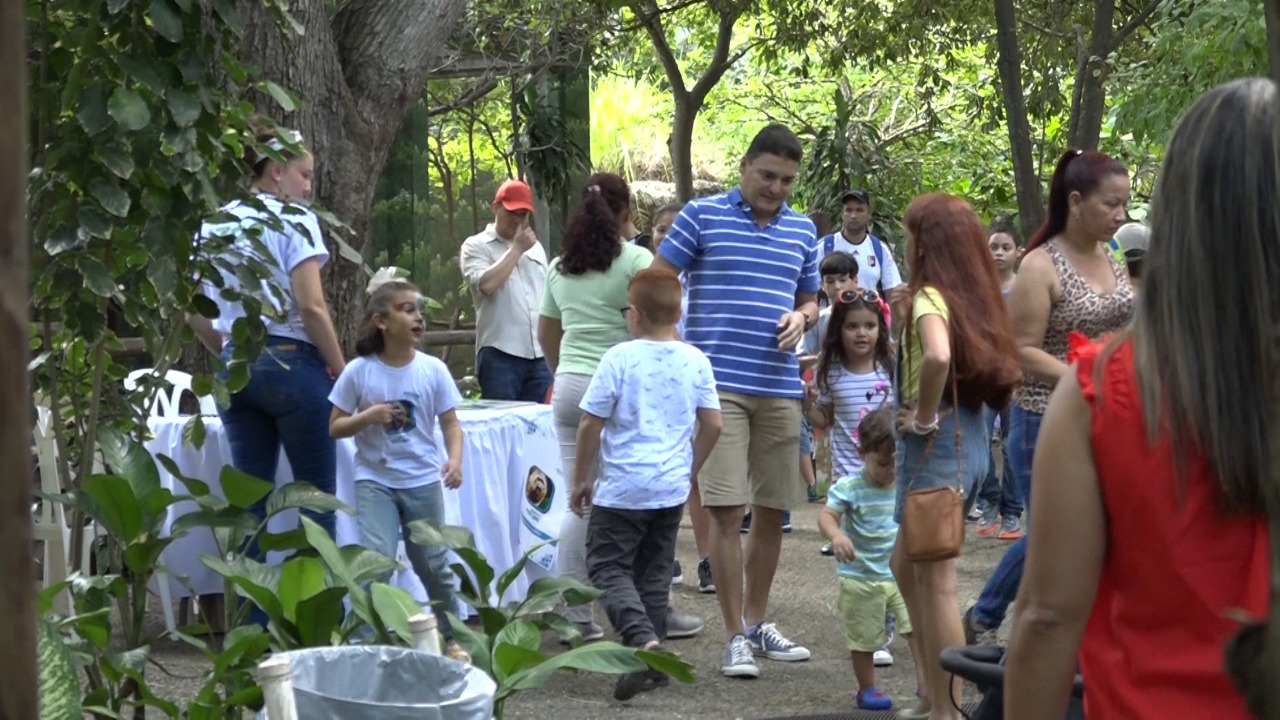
column 677, row 573
column 766, row 640
column 680, row 625
column 739, row 661
column 882, row 658
column 705, row 583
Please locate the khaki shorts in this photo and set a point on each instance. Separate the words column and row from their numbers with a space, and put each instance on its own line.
column 755, row 460
column 863, row 604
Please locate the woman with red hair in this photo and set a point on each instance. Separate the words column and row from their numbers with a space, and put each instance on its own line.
column 958, row 357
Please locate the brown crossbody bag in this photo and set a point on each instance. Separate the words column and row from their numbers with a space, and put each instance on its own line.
column 932, row 527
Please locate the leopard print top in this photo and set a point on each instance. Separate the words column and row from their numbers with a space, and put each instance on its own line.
column 1080, row 308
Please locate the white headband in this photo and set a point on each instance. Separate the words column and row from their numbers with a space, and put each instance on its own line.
column 293, row 137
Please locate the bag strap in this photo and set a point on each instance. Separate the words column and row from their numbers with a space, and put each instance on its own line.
column 878, row 247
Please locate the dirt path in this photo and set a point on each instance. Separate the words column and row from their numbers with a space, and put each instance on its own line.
column 803, row 605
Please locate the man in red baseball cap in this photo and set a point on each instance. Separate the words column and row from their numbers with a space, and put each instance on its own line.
column 506, row 267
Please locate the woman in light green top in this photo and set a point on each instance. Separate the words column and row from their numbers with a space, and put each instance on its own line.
column 580, row 318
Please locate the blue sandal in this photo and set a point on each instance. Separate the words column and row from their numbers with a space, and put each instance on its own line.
column 873, row 698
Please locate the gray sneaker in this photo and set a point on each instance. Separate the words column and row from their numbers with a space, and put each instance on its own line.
column 766, row 640
column 739, row 662
column 680, row 625
column 589, row 631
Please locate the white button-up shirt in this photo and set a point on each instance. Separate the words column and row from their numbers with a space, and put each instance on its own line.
column 508, row 319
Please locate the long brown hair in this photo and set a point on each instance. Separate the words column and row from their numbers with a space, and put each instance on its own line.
column 1205, row 352
column 950, row 254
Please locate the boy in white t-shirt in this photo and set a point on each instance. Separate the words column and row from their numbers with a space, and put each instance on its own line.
column 640, row 412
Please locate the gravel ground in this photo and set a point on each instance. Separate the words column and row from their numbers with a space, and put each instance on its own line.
column 803, row 605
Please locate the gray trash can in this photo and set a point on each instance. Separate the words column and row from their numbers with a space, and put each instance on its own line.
column 381, row 682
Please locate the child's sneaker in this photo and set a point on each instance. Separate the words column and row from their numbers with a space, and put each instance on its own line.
column 987, row 522
column 738, row 660
column 746, row 523
column 706, row 584
column 677, row 573
column 1010, row 529
column 786, row 521
column 767, row 641
column 827, row 549
column 454, row 651
column 873, row 698
column 882, row 658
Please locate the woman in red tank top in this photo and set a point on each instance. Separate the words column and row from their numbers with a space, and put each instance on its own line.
column 1148, row 505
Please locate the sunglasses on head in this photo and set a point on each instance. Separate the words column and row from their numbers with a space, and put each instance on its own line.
column 849, row 296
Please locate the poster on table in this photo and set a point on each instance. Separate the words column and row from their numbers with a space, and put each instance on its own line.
column 546, row 494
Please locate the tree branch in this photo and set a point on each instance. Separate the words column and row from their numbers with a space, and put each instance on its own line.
column 721, row 60
column 1138, row 20
column 651, row 17
column 469, row 97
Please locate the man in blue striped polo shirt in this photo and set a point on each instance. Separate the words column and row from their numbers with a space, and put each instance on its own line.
column 752, row 268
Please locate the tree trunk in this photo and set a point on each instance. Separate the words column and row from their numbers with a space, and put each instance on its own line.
column 18, row 695
column 358, row 74
column 680, row 145
column 1085, row 127
column 1026, row 180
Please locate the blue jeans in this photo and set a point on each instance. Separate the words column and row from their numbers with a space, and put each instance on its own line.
column 999, row 491
column 1002, row 587
column 507, row 377
column 382, row 513
column 285, row 403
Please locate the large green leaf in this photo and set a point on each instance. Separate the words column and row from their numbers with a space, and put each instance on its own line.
column 127, row 458
column 394, row 607
column 240, row 521
column 242, row 489
column 360, row 565
column 319, row 616
column 166, row 21
column 548, row 592
column 117, row 160
column 114, row 505
column 294, row 539
column 521, row 633
column 605, row 657
column 198, row 488
column 510, row 574
column 511, row 659
column 463, row 543
column 668, row 663
column 128, row 109
column 477, row 645
column 256, row 581
column 300, row 578
column 110, row 196
column 97, row 277
column 59, row 684
column 304, row 496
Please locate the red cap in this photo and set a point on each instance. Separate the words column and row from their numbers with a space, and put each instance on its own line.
column 514, row 195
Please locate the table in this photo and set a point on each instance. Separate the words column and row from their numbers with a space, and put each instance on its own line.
column 513, row 496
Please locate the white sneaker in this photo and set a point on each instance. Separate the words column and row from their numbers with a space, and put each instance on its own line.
column 738, row 659
column 882, row 658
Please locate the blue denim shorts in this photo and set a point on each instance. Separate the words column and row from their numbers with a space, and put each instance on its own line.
column 806, row 436
column 957, row 454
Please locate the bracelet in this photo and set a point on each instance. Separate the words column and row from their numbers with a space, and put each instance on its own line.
column 919, row 429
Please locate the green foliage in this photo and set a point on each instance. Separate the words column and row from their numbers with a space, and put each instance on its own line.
column 1194, row 45
column 507, row 647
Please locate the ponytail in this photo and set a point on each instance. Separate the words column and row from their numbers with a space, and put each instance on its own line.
column 592, row 237
column 369, row 339
column 1076, row 171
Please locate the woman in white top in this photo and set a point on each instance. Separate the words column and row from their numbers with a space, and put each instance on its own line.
column 286, row 399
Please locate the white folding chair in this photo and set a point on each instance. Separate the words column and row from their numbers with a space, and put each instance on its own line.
column 167, row 404
column 54, row 529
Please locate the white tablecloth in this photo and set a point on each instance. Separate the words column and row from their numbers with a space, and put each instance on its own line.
column 506, row 450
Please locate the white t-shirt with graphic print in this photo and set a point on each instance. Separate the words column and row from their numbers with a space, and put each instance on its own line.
column 402, row 454
column 852, row 396
column 648, row 393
